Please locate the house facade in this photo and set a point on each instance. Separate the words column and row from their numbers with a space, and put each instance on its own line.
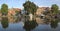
column 13, row 11
column 40, row 10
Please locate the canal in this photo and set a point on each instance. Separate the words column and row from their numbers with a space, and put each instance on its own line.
column 20, row 24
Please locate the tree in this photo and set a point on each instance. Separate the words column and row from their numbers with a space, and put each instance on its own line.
column 30, row 7
column 52, row 15
column 30, row 25
column 54, row 8
column 54, row 24
column 4, row 9
column 4, row 22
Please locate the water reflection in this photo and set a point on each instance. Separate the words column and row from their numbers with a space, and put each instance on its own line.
column 29, row 25
column 4, row 22
column 12, row 19
column 24, row 24
column 54, row 24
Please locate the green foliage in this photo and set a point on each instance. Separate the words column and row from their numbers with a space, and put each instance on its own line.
column 4, row 9
column 54, row 8
column 52, row 15
column 4, row 22
column 30, row 7
column 54, row 24
column 30, row 25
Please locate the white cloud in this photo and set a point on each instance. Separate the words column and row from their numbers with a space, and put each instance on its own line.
column 43, row 6
column 55, row 0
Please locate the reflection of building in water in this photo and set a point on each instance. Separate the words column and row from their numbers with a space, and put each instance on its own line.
column 15, row 19
column 0, row 18
column 39, row 20
column 11, row 19
column 0, row 13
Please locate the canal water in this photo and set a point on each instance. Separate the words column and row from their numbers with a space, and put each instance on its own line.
column 20, row 24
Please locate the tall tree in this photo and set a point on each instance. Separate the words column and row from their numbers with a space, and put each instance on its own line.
column 4, row 9
column 52, row 15
column 30, row 7
column 54, row 8
column 4, row 22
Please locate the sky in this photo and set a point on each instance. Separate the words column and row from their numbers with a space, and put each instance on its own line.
column 19, row 3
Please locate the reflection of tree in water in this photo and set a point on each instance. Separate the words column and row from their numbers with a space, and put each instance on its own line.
column 4, row 22
column 29, row 25
column 54, row 24
column 18, row 19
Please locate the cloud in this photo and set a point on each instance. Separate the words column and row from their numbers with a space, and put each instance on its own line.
column 55, row 0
